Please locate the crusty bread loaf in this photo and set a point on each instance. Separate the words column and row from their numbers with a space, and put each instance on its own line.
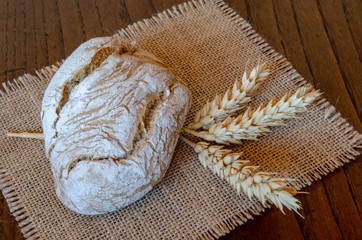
column 111, row 117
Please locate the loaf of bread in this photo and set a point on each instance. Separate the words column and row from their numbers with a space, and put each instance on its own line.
column 111, row 118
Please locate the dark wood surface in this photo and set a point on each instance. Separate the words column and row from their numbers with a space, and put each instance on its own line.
column 321, row 38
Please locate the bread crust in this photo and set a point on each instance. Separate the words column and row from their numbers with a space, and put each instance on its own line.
column 111, row 117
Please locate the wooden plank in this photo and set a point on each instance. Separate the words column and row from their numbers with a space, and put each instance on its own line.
column 91, row 19
column 354, row 177
column 263, row 20
column 239, row 7
column 53, row 31
column 11, row 32
column 140, row 9
column 319, row 222
column 20, row 39
column 72, row 25
column 3, row 40
column 325, row 70
column 292, row 45
column 352, row 10
column 275, row 229
column 324, row 65
column 8, row 226
column 30, row 38
column 344, row 209
column 344, row 48
column 351, row 68
column 40, row 34
column 113, row 16
column 161, row 5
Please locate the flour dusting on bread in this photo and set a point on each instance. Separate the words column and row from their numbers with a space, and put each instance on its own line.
column 111, row 117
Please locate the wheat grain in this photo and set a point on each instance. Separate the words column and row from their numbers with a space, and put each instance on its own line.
column 254, row 123
column 246, row 178
column 232, row 101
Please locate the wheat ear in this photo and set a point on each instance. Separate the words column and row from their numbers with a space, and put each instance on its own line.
column 254, row 123
column 233, row 100
column 25, row 135
column 244, row 177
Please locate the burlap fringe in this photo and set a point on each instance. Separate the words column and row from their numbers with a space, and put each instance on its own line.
column 16, row 206
column 130, row 33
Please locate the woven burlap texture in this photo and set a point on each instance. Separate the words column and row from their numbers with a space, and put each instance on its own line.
column 208, row 45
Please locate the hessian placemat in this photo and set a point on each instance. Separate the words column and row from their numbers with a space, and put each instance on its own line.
column 208, row 45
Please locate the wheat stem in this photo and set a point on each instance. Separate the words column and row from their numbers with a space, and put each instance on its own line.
column 188, row 141
column 253, row 123
column 232, row 101
column 26, row 135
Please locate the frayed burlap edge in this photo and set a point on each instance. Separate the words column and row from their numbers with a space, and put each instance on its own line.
column 19, row 211
column 16, row 207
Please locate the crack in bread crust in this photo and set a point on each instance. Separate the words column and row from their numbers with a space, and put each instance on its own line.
column 71, row 84
column 115, row 46
column 145, row 126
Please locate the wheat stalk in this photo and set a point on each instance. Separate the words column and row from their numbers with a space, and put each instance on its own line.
column 254, row 123
column 39, row 136
column 244, row 177
column 233, row 100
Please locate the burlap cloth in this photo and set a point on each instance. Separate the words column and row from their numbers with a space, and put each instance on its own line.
column 208, row 46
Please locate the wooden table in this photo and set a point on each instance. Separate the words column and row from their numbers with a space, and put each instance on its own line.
column 321, row 38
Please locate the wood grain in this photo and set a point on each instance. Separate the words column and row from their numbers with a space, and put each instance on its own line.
column 321, row 38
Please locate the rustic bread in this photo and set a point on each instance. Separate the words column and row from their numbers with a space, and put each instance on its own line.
column 111, row 117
